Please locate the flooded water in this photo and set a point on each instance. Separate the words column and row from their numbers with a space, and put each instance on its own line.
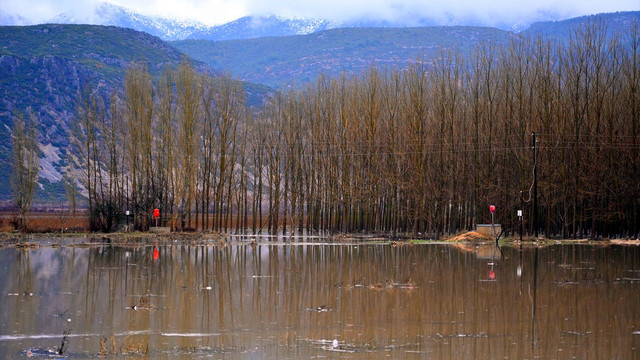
column 319, row 300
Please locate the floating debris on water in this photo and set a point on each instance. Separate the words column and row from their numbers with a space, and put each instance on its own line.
column 322, row 308
column 576, row 333
column 462, row 335
column 48, row 353
column 189, row 334
column 40, row 336
column 143, row 304
column 58, row 352
column 60, row 315
column 345, row 347
column 27, row 245
column 390, row 284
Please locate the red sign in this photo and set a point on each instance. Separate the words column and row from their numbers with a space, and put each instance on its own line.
column 156, row 213
column 492, row 208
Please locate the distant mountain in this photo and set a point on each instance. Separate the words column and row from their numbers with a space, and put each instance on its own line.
column 251, row 27
column 248, row 27
column 514, row 24
column 114, row 15
column 616, row 23
column 277, row 61
column 256, row 26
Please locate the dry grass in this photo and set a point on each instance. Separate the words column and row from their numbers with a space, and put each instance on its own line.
column 471, row 236
column 625, row 242
column 56, row 222
column 46, row 222
column 130, row 346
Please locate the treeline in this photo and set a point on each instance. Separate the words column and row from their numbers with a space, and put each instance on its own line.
column 422, row 150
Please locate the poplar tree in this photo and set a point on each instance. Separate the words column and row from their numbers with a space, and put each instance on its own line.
column 25, row 166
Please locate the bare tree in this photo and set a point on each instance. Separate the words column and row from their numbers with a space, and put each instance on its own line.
column 138, row 114
column 188, row 115
column 25, row 166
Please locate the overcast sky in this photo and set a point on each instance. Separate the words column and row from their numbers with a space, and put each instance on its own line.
column 214, row 12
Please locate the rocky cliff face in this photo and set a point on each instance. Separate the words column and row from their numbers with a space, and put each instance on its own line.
column 43, row 70
column 48, row 87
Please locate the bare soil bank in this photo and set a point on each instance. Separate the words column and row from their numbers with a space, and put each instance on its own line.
column 135, row 239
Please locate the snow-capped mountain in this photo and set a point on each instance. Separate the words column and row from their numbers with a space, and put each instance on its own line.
column 250, row 27
column 113, row 15
column 173, row 29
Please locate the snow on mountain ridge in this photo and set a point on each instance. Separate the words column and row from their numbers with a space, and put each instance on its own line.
column 249, row 27
column 179, row 29
column 169, row 28
column 114, row 15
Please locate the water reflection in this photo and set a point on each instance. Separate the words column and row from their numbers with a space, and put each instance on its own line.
column 277, row 300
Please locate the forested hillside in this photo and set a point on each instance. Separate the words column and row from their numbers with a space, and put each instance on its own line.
column 280, row 61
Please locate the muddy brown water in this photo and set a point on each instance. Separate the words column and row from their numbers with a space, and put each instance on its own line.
column 316, row 299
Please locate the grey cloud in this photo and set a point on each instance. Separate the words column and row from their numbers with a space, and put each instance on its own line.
column 43, row 10
column 406, row 11
column 487, row 10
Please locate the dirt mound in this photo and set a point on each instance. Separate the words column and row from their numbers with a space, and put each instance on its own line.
column 471, row 236
column 625, row 242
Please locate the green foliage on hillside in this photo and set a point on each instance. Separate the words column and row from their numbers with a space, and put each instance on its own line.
column 276, row 61
column 615, row 23
column 98, row 48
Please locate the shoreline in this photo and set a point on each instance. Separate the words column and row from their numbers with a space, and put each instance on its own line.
column 35, row 240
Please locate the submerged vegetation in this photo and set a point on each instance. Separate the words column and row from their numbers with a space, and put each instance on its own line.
column 421, row 150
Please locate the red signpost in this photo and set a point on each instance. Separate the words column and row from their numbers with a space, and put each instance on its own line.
column 156, row 215
column 492, row 208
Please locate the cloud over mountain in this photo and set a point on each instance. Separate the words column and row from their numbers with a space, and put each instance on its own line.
column 402, row 12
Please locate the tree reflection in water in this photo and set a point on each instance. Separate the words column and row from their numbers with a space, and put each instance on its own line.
column 409, row 301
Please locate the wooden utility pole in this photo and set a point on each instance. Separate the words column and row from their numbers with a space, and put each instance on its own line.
column 534, row 216
column 521, row 216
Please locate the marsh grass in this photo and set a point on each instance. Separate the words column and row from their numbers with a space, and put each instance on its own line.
column 130, row 345
column 46, row 222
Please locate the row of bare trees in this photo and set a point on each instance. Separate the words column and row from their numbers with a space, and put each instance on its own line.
column 169, row 145
column 423, row 150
